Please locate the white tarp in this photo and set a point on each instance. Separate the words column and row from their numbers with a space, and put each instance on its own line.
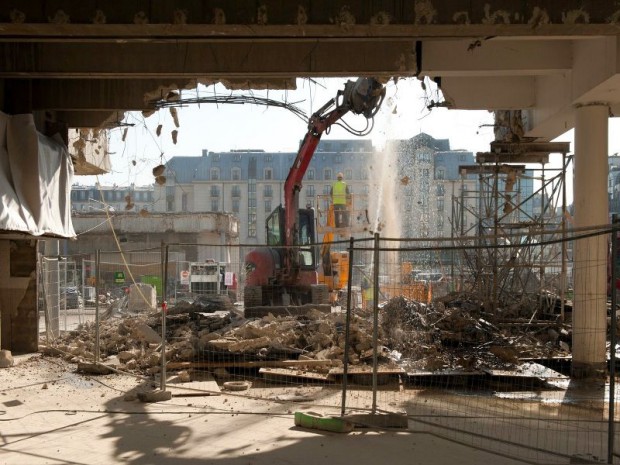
column 36, row 174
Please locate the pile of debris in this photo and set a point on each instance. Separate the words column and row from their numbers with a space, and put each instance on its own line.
column 456, row 333
column 210, row 332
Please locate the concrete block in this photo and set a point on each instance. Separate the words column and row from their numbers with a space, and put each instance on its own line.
column 6, row 359
column 142, row 298
column 145, row 332
column 154, row 396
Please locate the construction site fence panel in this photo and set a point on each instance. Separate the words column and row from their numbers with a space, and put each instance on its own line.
column 473, row 339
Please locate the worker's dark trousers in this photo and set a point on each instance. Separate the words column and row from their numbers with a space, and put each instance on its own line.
column 342, row 215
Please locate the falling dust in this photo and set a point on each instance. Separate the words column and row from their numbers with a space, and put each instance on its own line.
column 384, row 190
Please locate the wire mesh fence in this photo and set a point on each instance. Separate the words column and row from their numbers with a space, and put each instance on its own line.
column 473, row 339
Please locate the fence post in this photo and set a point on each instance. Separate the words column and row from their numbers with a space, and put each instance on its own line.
column 97, row 284
column 612, row 342
column 375, row 324
column 164, row 309
column 347, row 331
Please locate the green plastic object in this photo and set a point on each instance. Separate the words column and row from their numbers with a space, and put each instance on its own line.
column 313, row 420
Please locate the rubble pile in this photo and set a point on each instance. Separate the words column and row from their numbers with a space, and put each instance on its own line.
column 197, row 332
column 454, row 333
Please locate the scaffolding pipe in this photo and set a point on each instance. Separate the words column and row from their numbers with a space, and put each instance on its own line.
column 347, row 331
column 375, row 324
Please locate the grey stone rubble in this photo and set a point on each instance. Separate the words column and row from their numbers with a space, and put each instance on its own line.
column 450, row 334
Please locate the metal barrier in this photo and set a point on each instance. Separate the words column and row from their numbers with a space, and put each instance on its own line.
column 468, row 339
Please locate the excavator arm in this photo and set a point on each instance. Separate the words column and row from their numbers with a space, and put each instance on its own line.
column 363, row 96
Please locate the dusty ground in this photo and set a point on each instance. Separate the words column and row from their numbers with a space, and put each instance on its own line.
column 49, row 414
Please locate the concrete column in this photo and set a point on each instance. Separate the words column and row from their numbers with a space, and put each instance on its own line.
column 590, row 255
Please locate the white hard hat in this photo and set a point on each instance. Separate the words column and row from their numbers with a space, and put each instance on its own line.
column 340, row 175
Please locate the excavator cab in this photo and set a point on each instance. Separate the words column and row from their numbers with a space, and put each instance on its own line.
column 305, row 241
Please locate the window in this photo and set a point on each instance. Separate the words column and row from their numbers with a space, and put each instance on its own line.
column 235, row 205
column 268, row 158
column 268, row 192
column 268, row 206
column 215, row 191
column 236, row 174
column 424, row 156
column 462, row 157
column 327, row 174
column 236, row 157
column 425, row 173
column 440, row 204
column 310, row 174
column 348, row 174
column 440, row 173
column 215, row 174
column 327, row 189
column 338, row 158
column 215, row 156
column 184, row 202
column 215, row 205
column 364, row 174
column 252, row 208
column 236, row 191
column 169, row 198
column 440, row 190
column 268, row 173
column 310, row 191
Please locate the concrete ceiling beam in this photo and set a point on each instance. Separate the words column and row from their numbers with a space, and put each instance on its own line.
column 495, row 58
column 489, row 93
column 90, row 119
column 92, row 94
column 216, row 60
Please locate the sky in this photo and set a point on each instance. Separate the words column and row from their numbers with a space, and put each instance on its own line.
column 224, row 127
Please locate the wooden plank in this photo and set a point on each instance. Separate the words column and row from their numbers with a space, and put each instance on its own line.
column 251, row 364
column 280, row 374
column 427, row 374
column 366, row 370
column 285, row 310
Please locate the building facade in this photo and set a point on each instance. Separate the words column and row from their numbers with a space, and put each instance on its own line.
column 88, row 199
column 250, row 183
column 417, row 184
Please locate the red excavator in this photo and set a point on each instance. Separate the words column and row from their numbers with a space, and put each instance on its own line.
column 285, row 272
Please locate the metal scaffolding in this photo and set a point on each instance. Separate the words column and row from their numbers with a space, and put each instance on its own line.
column 519, row 260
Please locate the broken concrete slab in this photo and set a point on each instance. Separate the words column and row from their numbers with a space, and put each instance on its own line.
column 94, row 368
column 154, row 396
column 146, row 333
column 6, row 359
column 283, row 310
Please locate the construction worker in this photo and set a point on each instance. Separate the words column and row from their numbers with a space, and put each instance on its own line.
column 340, row 193
column 368, row 295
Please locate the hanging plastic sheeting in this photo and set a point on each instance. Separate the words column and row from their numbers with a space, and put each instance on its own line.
column 36, row 174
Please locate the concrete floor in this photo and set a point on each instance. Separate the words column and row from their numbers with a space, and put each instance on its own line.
column 49, row 414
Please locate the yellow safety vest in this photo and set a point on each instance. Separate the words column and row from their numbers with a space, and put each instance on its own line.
column 369, row 294
column 339, row 193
